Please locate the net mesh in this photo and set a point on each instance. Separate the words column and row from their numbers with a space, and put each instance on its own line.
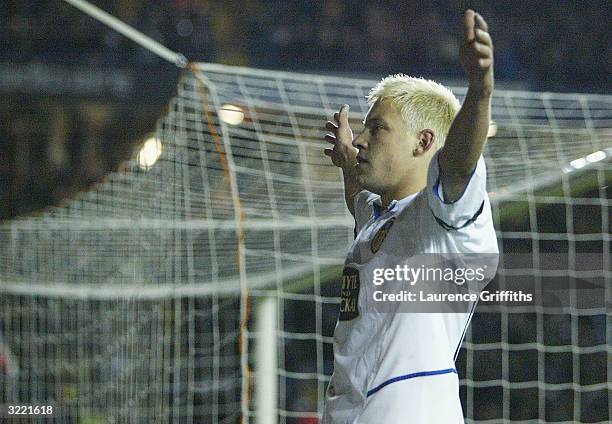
column 135, row 302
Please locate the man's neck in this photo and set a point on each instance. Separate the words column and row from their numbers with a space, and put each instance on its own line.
column 404, row 190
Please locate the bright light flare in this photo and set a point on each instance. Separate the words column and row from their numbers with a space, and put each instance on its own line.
column 578, row 163
column 582, row 162
column 596, row 156
column 231, row 114
column 492, row 129
column 149, row 153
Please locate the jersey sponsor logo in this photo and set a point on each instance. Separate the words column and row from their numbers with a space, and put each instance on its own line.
column 349, row 294
column 380, row 235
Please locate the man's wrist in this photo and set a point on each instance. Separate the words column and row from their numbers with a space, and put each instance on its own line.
column 351, row 185
column 480, row 90
column 349, row 171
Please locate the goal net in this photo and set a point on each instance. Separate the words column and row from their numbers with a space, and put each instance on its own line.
column 201, row 284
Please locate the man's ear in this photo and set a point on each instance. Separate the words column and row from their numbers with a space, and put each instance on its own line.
column 426, row 141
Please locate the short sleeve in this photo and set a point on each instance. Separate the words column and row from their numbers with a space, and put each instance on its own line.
column 362, row 203
column 466, row 209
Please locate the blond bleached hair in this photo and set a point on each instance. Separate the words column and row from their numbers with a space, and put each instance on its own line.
column 422, row 103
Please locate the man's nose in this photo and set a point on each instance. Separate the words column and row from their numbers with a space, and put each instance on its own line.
column 359, row 142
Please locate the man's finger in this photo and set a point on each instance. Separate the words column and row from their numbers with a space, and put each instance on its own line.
column 330, row 138
column 468, row 25
column 328, row 152
column 336, row 116
column 485, row 63
column 343, row 115
column 330, row 126
column 481, row 22
column 483, row 37
column 482, row 50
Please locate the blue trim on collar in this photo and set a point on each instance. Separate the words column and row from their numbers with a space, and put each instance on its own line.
column 436, row 189
column 378, row 208
column 409, row 376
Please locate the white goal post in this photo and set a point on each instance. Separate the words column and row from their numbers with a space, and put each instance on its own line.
column 180, row 290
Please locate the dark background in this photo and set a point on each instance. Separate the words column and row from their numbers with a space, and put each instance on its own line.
column 78, row 97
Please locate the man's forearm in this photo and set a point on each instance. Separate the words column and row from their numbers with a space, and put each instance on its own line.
column 351, row 189
column 468, row 134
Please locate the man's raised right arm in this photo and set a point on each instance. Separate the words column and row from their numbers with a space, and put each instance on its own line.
column 344, row 154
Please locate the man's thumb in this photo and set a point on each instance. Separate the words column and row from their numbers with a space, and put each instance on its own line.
column 344, row 114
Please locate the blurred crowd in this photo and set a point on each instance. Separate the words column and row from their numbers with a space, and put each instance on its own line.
column 55, row 140
column 556, row 45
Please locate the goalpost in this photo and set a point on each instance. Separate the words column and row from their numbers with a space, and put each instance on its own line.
column 201, row 286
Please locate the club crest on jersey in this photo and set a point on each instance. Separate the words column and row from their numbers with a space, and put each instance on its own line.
column 349, row 294
column 380, row 235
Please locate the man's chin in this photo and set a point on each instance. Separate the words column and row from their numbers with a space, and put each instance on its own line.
column 366, row 183
column 361, row 178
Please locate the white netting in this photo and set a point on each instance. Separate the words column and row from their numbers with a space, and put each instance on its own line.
column 129, row 305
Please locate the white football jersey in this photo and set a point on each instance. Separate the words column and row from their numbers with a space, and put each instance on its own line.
column 400, row 368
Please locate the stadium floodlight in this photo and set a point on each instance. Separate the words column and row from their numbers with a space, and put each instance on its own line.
column 128, row 303
column 231, row 114
column 596, row 156
column 149, row 153
column 579, row 163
